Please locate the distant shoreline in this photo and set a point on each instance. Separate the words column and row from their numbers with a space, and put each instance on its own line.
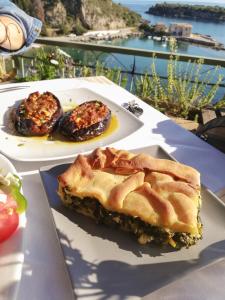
column 106, row 35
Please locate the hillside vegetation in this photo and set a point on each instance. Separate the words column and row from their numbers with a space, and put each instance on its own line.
column 64, row 16
column 200, row 12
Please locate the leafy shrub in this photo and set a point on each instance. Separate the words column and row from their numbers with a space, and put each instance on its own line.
column 79, row 29
column 47, row 65
column 146, row 27
column 185, row 91
column 50, row 64
column 64, row 29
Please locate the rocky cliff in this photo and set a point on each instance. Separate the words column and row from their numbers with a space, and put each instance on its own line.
column 80, row 15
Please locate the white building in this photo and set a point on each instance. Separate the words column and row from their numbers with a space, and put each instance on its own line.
column 180, row 29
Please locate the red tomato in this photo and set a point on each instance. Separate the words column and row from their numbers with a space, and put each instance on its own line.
column 9, row 218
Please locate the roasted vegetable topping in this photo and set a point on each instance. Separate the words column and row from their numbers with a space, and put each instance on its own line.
column 86, row 121
column 88, row 114
column 39, row 108
column 38, row 114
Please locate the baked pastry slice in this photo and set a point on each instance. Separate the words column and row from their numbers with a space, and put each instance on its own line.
column 155, row 199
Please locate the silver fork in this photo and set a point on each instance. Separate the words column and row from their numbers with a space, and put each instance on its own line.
column 13, row 88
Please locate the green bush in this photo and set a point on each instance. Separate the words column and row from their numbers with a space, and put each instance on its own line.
column 64, row 29
column 48, row 64
column 184, row 93
column 79, row 29
column 146, row 27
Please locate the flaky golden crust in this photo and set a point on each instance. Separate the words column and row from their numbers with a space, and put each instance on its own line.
column 158, row 191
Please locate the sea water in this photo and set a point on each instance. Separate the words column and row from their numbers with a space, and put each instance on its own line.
column 216, row 30
column 126, row 62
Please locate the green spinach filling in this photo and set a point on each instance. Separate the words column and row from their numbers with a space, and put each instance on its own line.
column 144, row 232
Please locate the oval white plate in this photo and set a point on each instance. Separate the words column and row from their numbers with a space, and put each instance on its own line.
column 11, row 251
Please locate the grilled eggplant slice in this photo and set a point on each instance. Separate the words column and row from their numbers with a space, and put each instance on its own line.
column 86, row 121
column 38, row 114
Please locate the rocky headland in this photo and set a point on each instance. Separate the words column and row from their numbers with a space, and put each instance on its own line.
column 192, row 12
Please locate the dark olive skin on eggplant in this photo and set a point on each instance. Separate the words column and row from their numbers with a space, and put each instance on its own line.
column 38, row 115
column 88, row 120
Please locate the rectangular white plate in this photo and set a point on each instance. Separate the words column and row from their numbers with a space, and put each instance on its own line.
column 107, row 264
column 41, row 149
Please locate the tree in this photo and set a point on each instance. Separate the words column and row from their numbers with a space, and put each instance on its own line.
column 24, row 5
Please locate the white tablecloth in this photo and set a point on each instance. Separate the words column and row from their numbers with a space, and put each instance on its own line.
column 42, row 272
